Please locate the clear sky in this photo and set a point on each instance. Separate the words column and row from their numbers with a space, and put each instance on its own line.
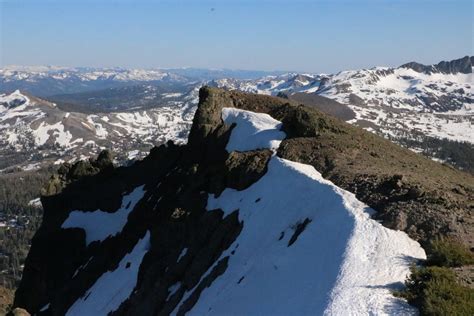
column 313, row 36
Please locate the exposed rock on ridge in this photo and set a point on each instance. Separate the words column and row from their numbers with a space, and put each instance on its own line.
column 463, row 65
column 410, row 192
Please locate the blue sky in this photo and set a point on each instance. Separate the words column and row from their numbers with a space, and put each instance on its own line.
column 313, row 36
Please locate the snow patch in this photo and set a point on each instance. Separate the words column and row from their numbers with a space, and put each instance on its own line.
column 99, row 225
column 35, row 202
column 253, row 130
column 182, row 254
column 113, row 287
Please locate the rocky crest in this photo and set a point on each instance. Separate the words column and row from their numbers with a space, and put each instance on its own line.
column 410, row 193
column 462, row 65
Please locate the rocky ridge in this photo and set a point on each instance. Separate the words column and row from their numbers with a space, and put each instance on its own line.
column 409, row 192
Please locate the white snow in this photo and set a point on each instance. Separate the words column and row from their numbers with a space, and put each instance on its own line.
column 342, row 263
column 45, row 307
column 100, row 131
column 82, row 267
column 35, row 202
column 44, row 132
column 171, row 95
column 394, row 98
column 34, row 73
column 99, row 225
column 32, row 166
column 131, row 155
column 173, row 289
column 28, row 123
column 253, row 131
column 113, row 287
column 182, row 254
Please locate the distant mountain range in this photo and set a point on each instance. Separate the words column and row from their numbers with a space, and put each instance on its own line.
column 45, row 81
column 63, row 113
column 433, row 100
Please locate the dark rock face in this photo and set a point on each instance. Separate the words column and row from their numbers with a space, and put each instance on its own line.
column 462, row 65
column 14, row 103
column 245, row 168
column 410, row 193
column 68, row 173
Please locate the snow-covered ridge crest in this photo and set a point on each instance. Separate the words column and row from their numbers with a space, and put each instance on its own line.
column 310, row 246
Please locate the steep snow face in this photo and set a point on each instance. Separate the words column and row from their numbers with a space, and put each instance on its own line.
column 99, row 225
column 310, row 246
column 113, row 287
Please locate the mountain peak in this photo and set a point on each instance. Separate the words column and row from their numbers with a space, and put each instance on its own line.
column 462, row 65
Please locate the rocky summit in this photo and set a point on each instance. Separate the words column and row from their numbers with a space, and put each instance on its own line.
column 270, row 208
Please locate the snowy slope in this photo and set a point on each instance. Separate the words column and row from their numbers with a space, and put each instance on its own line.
column 43, row 132
column 310, row 246
column 272, row 85
column 397, row 101
column 113, row 287
column 253, row 130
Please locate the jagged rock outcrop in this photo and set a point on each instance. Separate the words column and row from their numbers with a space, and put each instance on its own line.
column 410, row 193
column 68, row 173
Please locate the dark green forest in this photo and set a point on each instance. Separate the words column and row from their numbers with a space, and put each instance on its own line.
column 18, row 220
column 458, row 154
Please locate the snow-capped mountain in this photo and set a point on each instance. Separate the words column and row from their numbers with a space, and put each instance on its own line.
column 35, row 73
column 45, row 81
column 260, row 212
column 272, row 85
column 49, row 80
column 138, row 107
column 35, row 131
column 413, row 99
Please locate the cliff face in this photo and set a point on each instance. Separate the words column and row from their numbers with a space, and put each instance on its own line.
column 152, row 230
